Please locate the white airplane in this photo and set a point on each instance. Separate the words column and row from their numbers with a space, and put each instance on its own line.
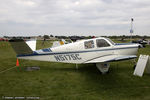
column 97, row 50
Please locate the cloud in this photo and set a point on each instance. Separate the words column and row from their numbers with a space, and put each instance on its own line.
column 73, row 17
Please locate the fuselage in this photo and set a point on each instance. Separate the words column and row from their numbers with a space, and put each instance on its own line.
column 82, row 51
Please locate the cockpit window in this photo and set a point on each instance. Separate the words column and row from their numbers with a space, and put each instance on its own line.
column 89, row 44
column 102, row 43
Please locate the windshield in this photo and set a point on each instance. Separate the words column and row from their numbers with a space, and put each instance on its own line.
column 110, row 41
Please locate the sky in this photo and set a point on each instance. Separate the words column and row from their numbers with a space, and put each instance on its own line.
column 74, row 17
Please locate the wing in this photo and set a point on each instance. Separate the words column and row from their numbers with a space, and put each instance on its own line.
column 110, row 58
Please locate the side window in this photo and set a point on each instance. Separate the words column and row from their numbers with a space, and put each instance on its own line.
column 89, row 44
column 102, row 43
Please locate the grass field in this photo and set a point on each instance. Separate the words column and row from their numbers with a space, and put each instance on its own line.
column 59, row 81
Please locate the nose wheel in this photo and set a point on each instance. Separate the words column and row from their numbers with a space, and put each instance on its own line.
column 134, row 63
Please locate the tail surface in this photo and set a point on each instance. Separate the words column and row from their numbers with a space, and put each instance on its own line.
column 22, row 47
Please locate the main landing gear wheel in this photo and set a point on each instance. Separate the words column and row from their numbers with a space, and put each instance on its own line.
column 103, row 67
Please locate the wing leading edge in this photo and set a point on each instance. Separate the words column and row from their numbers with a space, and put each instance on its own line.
column 110, row 58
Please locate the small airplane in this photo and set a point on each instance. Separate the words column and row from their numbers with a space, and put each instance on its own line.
column 100, row 51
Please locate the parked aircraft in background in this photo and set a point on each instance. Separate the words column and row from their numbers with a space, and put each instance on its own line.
column 97, row 50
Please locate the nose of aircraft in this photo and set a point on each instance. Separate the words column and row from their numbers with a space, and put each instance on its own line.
column 139, row 45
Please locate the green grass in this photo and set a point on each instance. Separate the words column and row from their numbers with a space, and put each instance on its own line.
column 59, row 81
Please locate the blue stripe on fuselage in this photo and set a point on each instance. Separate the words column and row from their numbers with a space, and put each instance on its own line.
column 47, row 50
column 55, row 53
column 124, row 43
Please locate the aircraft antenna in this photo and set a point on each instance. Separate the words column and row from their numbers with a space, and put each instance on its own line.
column 131, row 30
